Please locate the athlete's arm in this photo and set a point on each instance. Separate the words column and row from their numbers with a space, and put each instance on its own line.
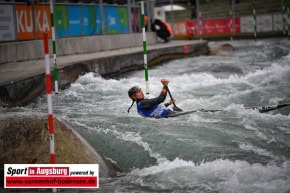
column 149, row 103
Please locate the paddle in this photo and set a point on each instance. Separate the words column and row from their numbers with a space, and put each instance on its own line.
column 175, row 108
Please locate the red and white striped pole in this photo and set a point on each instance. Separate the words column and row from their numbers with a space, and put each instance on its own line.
column 49, row 98
column 200, row 24
column 230, row 24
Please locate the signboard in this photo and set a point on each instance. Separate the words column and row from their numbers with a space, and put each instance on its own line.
column 32, row 23
column 74, row 20
column 209, row 27
column 236, row 24
column 264, row 23
column 221, row 26
column 180, row 28
column 110, row 19
column 191, row 28
column 7, row 29
column 123, row 26
column 61, row 21
column 25, row 24
column 42, row 20
column 51, row 176
column 98, row 21
column 247, row 24
column 89, row 20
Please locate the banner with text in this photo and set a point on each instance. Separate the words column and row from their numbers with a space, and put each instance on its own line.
column 51, row 176
column 31, row 23
column 110, row 19
column 7, row 29
column 222, row 26
column 123, row 24
column 61, row 22
column 74, row 20
column 180, row 28
column 89, row 20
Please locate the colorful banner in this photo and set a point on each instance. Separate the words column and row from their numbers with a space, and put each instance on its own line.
column 180, row 28
column 212, row 26
column 74, row 20
column 98, row 21
column 110, row 20
column 191, row 28
column 29, row 22
column 32, row 23
column 42, row 20
column 221, row 26
column 61, row 21
column 7, row 29
column 51, row 176
column 236, row 24
column 89, row 20
column 24, row 20
column 209, row 26
column 123, row 26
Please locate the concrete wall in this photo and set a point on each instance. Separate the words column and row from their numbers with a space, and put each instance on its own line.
column 31, row 50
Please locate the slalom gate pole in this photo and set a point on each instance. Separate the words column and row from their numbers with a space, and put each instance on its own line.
column 200, row 24
column 233, row 19
column 49, row 100
column 255, row 20
column 283, row 17
column 230, row 24
column 55, row 69
column 144, row 46
column 288, row 23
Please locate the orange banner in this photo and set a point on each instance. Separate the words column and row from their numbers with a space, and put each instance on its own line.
column 31, row 23
column 180, row 28
column 42, row 20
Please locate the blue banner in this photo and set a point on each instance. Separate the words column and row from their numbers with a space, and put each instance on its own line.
column 110, row 19
column 98, row 20
column 61, row 21
column 89, row 18
column 74, row 20
column 123, row 26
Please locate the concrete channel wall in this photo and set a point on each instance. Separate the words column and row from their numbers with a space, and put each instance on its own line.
column 22, row 86
column 30, row 50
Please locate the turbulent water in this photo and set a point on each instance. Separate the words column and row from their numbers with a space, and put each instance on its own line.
column 237, row 150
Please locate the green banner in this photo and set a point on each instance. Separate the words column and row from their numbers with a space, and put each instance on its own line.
column 61, row 21
column 123, row 20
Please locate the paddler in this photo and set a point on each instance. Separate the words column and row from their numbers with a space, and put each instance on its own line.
column 153, row 107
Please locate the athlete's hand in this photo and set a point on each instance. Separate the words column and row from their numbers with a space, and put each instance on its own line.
column 164, row 82
column 171, row 101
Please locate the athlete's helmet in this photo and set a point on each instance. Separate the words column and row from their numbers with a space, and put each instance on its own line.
column 132, row 90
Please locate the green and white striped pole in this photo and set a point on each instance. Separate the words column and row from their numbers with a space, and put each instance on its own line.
column 55, row 69
column 283, row 17
column 255, row 20
column 288, row 23
column 144, row 46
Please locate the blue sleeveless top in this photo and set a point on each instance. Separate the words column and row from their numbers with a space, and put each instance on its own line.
column 156, row 111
